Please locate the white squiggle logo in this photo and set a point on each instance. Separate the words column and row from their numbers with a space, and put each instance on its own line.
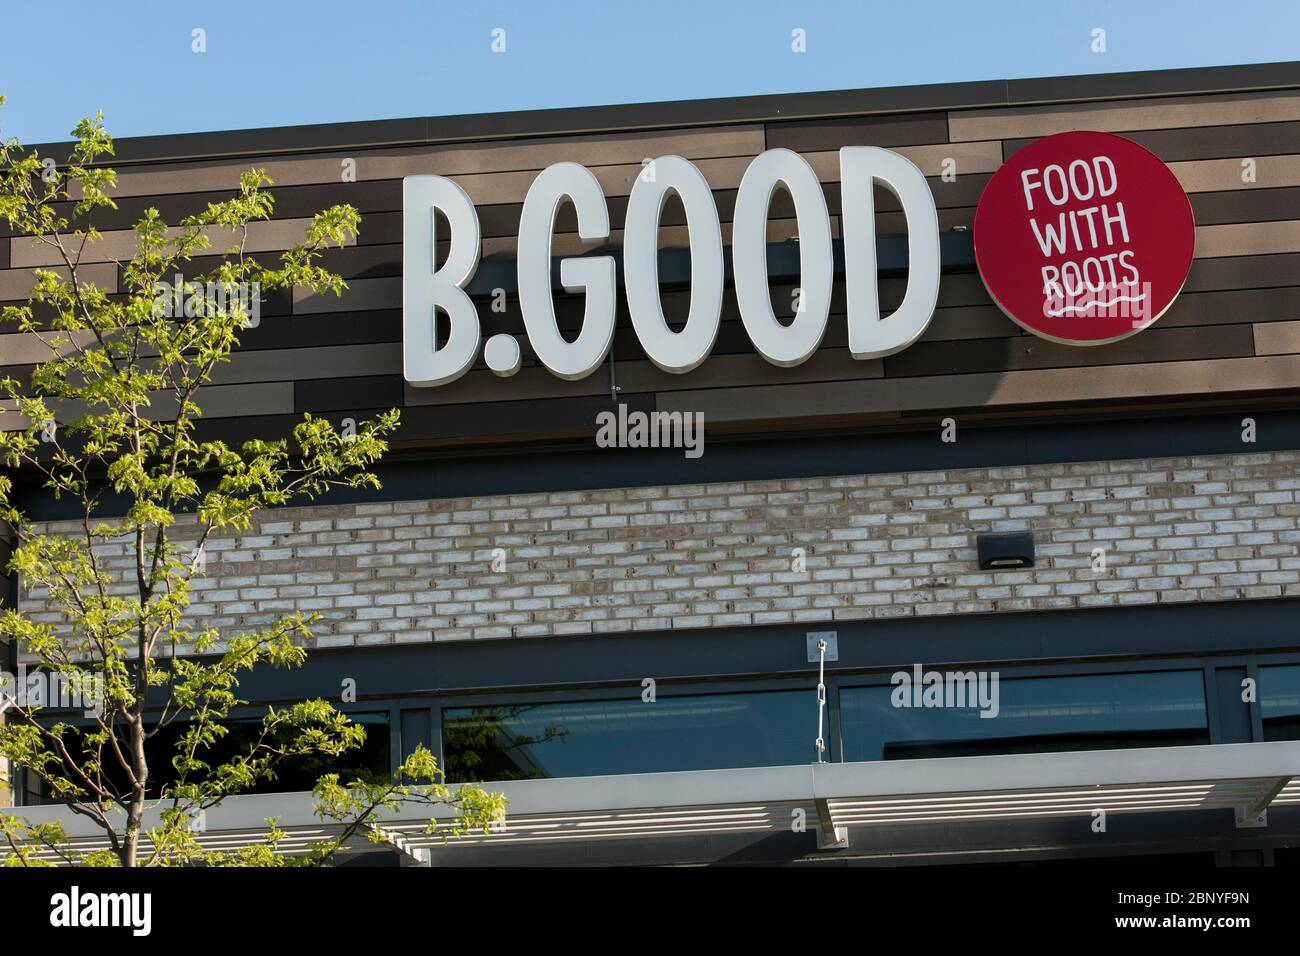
column 1113, row 300
column 1095, row 305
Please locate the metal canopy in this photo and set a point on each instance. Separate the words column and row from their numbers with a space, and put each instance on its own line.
column 829, row 798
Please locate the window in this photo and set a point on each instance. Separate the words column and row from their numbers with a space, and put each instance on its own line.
column 297, row 774
column 1035, row 715
column 1279, row 701
column 293, row 775
column 588, row 738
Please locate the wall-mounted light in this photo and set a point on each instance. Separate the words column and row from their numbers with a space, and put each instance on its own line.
column 1005, row 552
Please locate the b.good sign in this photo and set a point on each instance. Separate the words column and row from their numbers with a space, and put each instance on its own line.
column 1073, row 229
column 1084, row 238
column 430, row 291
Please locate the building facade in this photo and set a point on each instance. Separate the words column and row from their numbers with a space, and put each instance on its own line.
column 548, row 612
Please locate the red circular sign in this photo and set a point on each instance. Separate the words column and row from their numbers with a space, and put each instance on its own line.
column 1084, row 238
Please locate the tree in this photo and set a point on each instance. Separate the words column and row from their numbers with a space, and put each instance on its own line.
column 115, row 413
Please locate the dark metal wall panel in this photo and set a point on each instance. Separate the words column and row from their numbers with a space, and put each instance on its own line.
column 1230, row 629
column 413, row 471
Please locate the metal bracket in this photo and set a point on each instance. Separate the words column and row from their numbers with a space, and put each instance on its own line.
column 829, row 836
column 1256, row 814
column 614, row 387
column 1242, row 817
column 832, row 645
column 838, row 841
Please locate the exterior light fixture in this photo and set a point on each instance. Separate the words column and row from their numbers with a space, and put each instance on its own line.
column 1005, row 552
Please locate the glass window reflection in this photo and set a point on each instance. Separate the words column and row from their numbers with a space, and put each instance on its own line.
column 1279, row 701
column 1035, row 715
column 588, row 738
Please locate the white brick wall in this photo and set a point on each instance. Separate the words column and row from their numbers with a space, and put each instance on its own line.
column 1223, row 527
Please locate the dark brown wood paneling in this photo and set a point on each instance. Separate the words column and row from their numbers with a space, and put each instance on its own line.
column 1029, row 351
column 490, row 172
column 20, row 373
column 364, row 294
column 1243, row 272
column 379, row 228
column 1245, row 205
column 329, row 394
column 236, row 431
column 350, row 328
column 858, row 399
column 342, row 357
column 364, row 261
column 507, row 420
column 382, row 195
column 1207, row 142
column 963, row 191
column 1173, row 112
column 337, row 362
column 1218, row 308
column 908, row 129
column 291, row 202
column 970, row 322
column 261, row 236
column 529, row 383
column 502, row 220
column 951, row 321
column 172, row 208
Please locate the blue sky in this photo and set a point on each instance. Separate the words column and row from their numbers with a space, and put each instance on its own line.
column 272, row 63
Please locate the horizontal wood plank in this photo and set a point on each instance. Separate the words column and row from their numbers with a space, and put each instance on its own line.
column 1277, row 338
column 1237, row 141
column 17, row 284
column 1212, row 175
column 1242, row 205
column 1248, row 239
column 1107, row 117
column 908, row 129
column 468, row 159
column 276, row 234
column 215, row 401
column 1029, row 351
column 1243, row 272
column 988, row 390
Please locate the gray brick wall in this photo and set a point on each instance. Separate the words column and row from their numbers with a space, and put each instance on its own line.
column 1208, row 528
